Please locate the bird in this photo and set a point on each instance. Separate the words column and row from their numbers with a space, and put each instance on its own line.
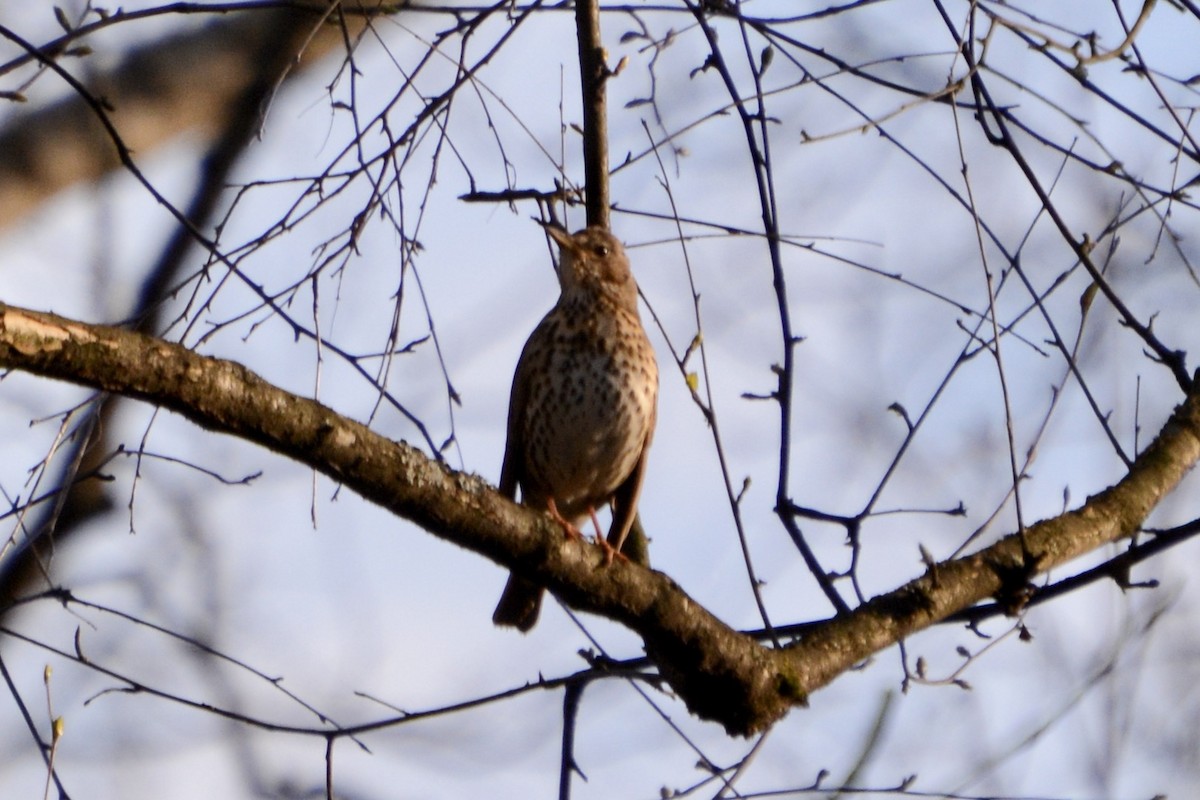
column 583, row 405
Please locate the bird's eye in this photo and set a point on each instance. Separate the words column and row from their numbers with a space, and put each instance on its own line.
column 601, row 250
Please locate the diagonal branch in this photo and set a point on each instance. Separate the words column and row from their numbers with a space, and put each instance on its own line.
column 187, row 80
column 720, row 673
column 274, row 48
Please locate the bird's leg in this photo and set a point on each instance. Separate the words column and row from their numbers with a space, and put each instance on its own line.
column 595, row 523
column 610, row 552
column 570, row 530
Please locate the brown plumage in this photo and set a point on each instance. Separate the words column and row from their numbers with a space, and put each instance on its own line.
column 583, row 404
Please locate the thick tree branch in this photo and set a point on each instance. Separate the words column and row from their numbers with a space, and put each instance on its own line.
column 721, row 674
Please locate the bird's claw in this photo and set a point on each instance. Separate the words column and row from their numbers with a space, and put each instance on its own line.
column 570, row 530
column 610, row 552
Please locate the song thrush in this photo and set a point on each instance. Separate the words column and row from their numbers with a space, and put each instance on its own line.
column 583, row 404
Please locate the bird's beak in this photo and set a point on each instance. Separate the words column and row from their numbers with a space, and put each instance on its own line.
column 560, row 236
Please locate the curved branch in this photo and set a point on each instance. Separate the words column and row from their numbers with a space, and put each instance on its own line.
column 720, row 673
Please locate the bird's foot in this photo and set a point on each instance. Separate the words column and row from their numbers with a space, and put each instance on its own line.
column 610, row 552
column 570, row 530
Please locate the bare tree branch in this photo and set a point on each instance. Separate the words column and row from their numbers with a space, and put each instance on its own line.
column 271, row 44
column 593, row 74
column 187, row 81
column 720, row 673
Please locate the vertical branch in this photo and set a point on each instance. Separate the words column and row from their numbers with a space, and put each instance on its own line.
column 571, row 697
column 593, row 75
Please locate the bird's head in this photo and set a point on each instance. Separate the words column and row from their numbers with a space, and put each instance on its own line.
column 593, row 263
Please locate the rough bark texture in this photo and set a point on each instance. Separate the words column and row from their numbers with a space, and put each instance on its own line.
column 721, row 674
